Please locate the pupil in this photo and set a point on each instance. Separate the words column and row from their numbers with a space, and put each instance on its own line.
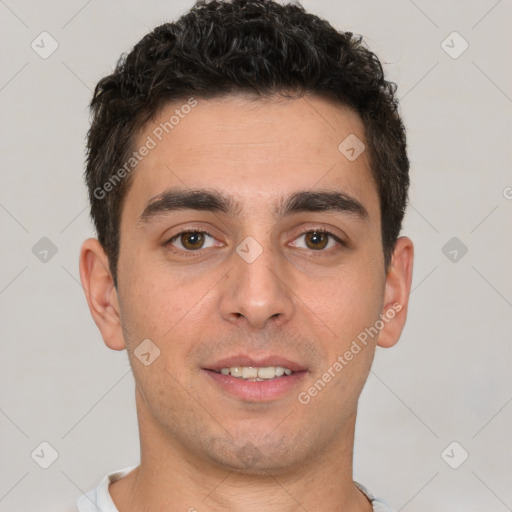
column 193, row 239
column 317, row 239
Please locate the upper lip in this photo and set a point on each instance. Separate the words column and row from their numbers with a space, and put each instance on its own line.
column 254, row 361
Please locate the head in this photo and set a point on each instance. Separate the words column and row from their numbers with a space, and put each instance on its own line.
column 259, row 48
column 257, row 127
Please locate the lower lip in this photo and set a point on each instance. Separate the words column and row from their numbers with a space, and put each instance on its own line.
column 257, row 391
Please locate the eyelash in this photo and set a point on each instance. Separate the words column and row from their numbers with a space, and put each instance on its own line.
column 188, row 253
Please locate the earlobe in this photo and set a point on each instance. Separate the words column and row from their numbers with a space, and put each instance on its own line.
column 101, row 293
column 396, row 296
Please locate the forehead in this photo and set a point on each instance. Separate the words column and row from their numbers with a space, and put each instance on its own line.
column 253, row 150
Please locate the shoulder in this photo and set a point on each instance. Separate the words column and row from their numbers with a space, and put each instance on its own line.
column 99, row 499
column 379, row 505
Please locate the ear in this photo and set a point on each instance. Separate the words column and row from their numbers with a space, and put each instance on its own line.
column 396, row 295
column 101, row 293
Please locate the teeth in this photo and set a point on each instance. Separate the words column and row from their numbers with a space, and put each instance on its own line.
column 266, row 373
column 248, row 372
column 236, row 371
column 257, row 374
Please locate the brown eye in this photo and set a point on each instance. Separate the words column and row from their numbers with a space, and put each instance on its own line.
column 193, row 240
column 189, row 241
column 317, row 240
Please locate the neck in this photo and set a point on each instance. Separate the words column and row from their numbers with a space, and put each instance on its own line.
column 171, row 478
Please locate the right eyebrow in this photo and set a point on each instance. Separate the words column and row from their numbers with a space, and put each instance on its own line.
column 196, row 199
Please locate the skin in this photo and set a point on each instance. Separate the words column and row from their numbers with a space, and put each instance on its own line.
column 295, row 300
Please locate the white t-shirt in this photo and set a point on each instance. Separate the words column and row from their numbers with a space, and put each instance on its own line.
column 99, row 499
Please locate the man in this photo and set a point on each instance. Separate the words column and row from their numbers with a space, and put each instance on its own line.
column 248, row 177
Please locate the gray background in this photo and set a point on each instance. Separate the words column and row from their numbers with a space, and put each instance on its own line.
column 449, row 377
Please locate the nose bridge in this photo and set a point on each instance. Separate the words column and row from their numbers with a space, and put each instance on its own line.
column 257, row 288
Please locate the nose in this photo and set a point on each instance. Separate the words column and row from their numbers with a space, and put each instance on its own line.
column 256, row 293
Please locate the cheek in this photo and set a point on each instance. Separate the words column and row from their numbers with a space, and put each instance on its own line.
column 170, row 311
column 153, row 302
column 350, row 309
column 347, row 302
column 156, row 309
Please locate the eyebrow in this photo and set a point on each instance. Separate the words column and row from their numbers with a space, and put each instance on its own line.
column 214, row 201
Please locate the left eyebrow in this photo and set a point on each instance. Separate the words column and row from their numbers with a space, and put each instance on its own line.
column 215, row 201
column 318, row 201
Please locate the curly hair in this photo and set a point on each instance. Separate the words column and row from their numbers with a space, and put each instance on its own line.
column 255, row 47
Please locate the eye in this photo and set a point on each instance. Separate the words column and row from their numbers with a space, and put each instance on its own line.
column 192, row 240
column 318, row 240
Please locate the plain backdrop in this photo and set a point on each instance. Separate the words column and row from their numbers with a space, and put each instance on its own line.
column 447, row 381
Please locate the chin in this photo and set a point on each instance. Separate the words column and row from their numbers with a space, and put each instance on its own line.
column 248, row 455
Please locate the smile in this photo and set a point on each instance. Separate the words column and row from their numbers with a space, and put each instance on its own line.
column 254, row 373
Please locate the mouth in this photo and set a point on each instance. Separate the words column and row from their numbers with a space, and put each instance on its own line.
column 255, row 374
column 256, row 380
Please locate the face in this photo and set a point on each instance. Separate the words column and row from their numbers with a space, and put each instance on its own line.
column 251, row 242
